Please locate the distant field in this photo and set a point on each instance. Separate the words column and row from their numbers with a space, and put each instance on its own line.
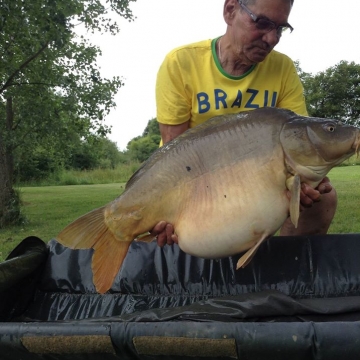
column 50, row 208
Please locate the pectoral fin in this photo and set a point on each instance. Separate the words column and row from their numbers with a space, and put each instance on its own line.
column 294, row 185
column 247, row 257
column 147, row 237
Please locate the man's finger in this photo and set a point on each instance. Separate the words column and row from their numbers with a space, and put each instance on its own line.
column 158, row 228
column 169, row 232
column 309, row 192
column 324, row 188
column 175, row 238
column 161, row 239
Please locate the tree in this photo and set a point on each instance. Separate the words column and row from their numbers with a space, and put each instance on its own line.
column 50, row 85
column 152, row 128
column 305, row 79
column 37, row 164
column 95, row 152
column 141, row 147
column 335, row 92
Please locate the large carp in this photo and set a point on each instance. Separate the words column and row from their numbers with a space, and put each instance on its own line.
column 223, row 185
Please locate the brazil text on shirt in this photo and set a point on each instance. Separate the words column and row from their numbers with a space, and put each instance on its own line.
column 250, row 99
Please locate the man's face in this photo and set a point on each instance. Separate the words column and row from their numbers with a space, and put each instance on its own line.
column 251, row 44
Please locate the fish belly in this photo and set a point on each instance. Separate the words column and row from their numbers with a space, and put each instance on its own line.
column 230, row 212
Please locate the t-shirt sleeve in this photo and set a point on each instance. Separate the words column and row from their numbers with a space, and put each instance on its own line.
column 293, row 95
column 173, row 106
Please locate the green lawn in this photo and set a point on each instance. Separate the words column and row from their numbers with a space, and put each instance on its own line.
column 346, row 180
column 49, row 209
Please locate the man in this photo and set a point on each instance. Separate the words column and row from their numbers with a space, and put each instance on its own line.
column 238, row 71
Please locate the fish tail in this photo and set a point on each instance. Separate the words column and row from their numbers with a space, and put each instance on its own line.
column 84, row 232
column 107, row 259
column 91, row 231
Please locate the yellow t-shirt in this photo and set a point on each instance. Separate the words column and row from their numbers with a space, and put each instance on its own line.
column 191, row 85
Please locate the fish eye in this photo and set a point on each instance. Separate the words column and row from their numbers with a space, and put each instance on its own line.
column 330, row 127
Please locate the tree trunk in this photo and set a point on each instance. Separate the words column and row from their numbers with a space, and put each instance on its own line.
column 9, row 202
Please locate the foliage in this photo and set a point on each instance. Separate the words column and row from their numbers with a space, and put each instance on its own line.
column 108, row 155
column 334, row 93
column 141, row 147
column 49, row 71
column 51, row 89
column 121, row 173
column 152, row 128
column 93, row 153
column 44, row 162
column 37, row 164
column 83, row 158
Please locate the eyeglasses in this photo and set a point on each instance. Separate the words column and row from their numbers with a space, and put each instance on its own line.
column 266, row 25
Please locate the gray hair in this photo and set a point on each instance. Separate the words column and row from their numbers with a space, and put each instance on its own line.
column 249, row 2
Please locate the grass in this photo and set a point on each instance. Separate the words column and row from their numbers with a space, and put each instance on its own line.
column 346, row 180
column 86, row 177
column 50, row 208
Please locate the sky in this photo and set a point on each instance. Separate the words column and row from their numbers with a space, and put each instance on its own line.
column 325, row 32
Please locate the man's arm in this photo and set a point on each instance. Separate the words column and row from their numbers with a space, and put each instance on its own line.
column 169, row 132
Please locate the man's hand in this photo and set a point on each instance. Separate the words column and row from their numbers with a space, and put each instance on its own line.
column 164, row 234
column 308, row 195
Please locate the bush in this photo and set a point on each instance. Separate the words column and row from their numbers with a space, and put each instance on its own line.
column 36, row 166
column 140, row 149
